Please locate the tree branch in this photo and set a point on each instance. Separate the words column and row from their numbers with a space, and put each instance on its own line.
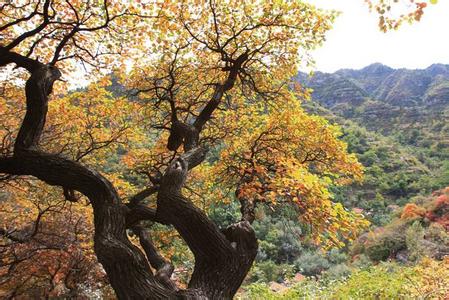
column 8, row 57
column 126, row 266
column 201, row 235
column 141, row 212
column 220, row 89
column 164, row 269
column 137, row 198
column 34, row 31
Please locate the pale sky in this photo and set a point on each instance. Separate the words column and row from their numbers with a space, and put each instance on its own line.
column 355, row 41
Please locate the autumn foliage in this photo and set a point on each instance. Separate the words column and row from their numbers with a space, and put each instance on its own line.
column 392, row 14
column 436, row 210
column 193, row 77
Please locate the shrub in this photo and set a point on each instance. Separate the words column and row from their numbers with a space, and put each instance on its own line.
column 257, row 291
column 335, row 256
column 267, row 271
column 308, row 289
column 339, row 271
column 311, row 264
column 384, row 281
column 385, row 243
column 414, row 237
column 412, row 211
column 429, row 279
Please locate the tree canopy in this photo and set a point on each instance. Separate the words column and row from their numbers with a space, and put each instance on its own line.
column 193, row 104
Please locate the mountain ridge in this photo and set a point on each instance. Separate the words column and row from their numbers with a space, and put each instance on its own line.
column 403, row 87
column 382, row 92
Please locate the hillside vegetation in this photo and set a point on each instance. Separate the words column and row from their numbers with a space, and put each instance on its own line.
column 397, row 123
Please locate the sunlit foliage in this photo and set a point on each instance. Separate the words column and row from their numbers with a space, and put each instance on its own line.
column 392, row 13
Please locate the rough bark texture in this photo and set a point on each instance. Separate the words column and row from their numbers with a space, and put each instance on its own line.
column 222, row 258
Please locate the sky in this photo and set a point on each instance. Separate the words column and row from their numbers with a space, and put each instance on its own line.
column 356, row 41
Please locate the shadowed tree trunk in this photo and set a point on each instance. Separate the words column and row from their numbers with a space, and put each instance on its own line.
column 222, row 257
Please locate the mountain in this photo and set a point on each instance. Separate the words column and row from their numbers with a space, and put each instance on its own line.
column 408, row 104
column 397, row 123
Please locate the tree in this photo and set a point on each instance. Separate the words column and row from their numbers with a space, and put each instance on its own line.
column 206, row 76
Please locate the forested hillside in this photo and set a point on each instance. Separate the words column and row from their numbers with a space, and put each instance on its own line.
column 397, row 121
column 412, row 106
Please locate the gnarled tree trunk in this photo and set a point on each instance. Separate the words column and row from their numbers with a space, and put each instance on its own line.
column 222, row 257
